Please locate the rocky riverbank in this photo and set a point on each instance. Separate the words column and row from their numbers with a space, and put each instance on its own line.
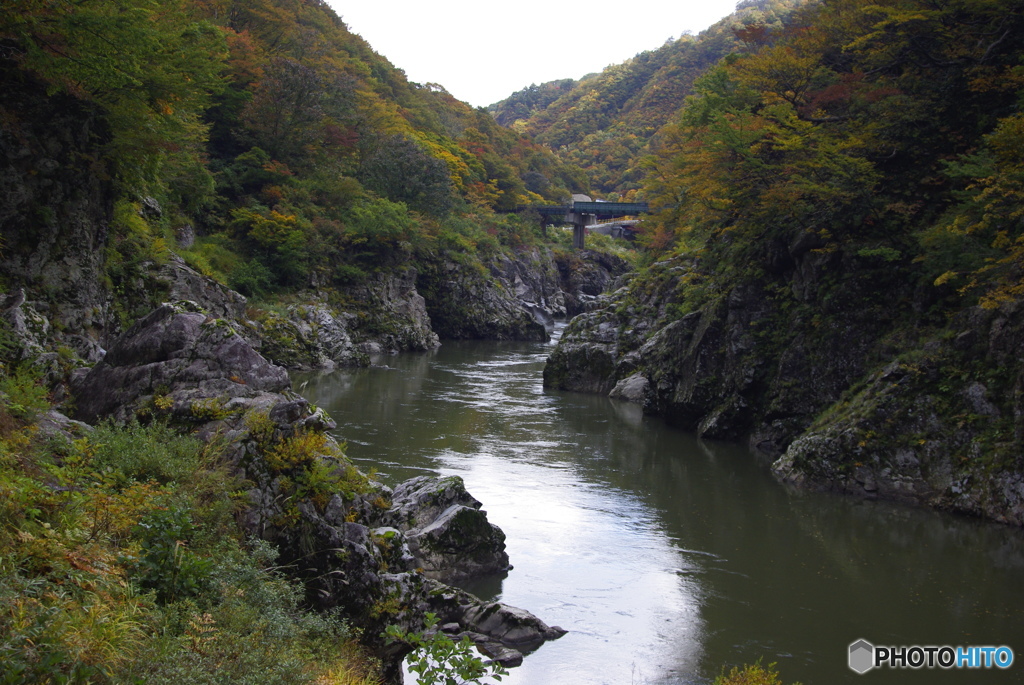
column 826, row 380
column 380, row 555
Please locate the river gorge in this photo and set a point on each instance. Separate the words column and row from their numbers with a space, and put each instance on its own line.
column 665, row 557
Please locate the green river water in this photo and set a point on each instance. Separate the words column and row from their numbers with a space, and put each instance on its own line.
column 666, row 557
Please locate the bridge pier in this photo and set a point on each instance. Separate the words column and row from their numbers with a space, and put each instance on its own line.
column 579, row 227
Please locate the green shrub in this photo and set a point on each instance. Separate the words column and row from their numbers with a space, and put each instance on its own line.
column 166, row 565
column 215, row 256
column 24, row 394
column 248, row 626
column 251, row 278
column 437, row 659
column 138, row 453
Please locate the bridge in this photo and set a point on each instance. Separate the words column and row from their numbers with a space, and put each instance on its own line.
column 584, row 213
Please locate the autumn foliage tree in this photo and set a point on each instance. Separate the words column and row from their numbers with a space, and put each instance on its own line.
column 152, row 67
column 867, row 124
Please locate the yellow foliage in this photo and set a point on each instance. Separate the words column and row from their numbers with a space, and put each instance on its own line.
column 298, row 450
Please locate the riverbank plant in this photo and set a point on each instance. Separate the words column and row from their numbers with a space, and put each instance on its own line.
column 437, row 659
column 120, row 562
column 751, row 674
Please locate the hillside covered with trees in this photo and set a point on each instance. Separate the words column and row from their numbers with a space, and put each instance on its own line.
column 604, row 123
column 280, row 137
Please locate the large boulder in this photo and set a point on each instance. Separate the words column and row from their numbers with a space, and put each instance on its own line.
column 180, row 356
column 447, row 532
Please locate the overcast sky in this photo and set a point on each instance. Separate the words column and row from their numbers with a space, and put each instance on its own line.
column 482, row 51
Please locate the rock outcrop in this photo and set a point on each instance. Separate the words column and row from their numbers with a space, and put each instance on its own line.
column 926, row 429
column 185, row 283
column 585, row 275
column 521, row 294
column 466, row 304
column 55, row 209
column 823, row 375
column 180, row 356
column 393, row 315
column 447, row 533
column 309, row 336
column 359, row 547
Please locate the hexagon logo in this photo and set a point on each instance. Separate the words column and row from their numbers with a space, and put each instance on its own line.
column 862, row 656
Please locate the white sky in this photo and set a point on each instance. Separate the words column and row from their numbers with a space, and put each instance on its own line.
column 482, row 51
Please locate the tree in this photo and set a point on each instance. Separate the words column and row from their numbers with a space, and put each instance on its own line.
column 395, row 167
column 294, row 109
column 151, row 67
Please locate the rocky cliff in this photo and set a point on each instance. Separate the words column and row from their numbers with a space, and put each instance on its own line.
column 830, row 365
column 514, row 296
column 55, row 210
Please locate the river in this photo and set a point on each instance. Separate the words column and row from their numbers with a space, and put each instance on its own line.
column 668, row 558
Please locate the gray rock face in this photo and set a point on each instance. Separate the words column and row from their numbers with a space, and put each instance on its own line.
column 375, row 570
column 29, row 327
column 447, row 533
column 55, row 209
column 185, row 283
column 311, row 336
column 176, row 352
column 750, row 363
column 465, row 304
column 585, row 275
column 632, row 389
column 913, row 434
column 718, row 369
column 522, row 296
column 396, row 314
column 533, row 280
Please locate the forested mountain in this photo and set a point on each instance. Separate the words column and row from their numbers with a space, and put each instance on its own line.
column 269, row 124
column 604, row 122
column 837, row 270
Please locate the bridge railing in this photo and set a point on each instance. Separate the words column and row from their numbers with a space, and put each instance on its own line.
column 611, row 208
column 598, row 208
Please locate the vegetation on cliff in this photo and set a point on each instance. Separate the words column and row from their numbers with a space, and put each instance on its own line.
column 839, row 252
column 296, row 154
column 120, row 561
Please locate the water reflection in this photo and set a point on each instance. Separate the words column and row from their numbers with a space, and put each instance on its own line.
column 664, row 556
